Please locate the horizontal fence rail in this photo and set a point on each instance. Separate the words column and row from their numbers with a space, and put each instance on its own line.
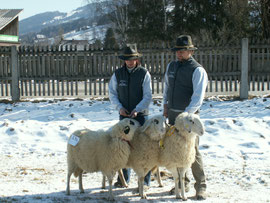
column 68, row 71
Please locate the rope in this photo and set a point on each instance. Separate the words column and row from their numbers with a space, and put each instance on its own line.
column 170, row 132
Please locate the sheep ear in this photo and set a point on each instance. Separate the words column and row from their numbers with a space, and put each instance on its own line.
column 146, row 125
column 126, row 129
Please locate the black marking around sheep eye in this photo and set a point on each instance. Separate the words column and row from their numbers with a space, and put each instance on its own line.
column 132, row 123
column 156, row 121
column 126, row 130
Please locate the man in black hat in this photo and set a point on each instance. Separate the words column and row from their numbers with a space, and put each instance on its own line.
column 130, row 91
column 185, row 84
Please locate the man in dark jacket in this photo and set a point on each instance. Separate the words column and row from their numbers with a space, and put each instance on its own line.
column 185, row 84
column 130, row 92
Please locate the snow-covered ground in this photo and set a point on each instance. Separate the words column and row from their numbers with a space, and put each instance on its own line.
column 33, row 137
column 90, row 34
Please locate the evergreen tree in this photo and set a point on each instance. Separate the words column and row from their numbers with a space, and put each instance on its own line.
column 178, row 20
column 146, row 20
column 110, row 41
column 265, row 16
column 237, row 21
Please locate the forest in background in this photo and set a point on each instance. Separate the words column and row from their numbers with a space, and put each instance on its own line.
column 143, row 21
column 214, row 21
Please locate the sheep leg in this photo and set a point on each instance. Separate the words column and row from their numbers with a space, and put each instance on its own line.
column 111, row 197
column 122, row 179
column 176, row 181
column 181, row 172
column 159, row 178
column 80, row 183
column 141, row 191
column 103, row 182
column 68, row 183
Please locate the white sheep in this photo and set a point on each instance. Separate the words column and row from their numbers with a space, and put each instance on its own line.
column 145, row 148
column 178, row 151
column 105, row 151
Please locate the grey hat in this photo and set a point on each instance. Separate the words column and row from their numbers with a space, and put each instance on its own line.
column 130, row 52
column 184, row 42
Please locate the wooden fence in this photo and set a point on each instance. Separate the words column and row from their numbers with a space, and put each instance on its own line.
column 67, row 71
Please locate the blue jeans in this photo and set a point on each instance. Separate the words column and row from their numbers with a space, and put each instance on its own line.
column 126, row 171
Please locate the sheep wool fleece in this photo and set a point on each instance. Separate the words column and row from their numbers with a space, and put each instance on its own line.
column 144, row 152
column 197, row 166
column 91, row 148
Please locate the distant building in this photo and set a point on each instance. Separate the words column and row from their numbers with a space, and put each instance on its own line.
column 9, row 27
column 42, row 40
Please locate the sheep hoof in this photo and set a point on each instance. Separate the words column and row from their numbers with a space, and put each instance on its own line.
column 81, row 191
column 144, row 197
column 67, row 193
column 184, row 198
column 178, row 197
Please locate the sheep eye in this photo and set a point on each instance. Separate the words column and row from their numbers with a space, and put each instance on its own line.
column 132, row 123
column 156, row 121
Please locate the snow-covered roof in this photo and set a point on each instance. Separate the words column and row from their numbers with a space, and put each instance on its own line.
column 7, row 15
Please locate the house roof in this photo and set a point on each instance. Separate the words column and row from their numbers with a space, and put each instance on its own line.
column 7, row 15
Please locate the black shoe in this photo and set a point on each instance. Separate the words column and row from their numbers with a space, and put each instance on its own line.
column 118, row 184
column 172, row 191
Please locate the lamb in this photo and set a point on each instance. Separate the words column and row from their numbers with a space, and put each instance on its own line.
column 105, row 151
column 178, row 151
column 145, row 149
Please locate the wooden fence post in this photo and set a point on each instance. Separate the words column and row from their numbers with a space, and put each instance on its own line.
column 15, row 91
column 244, row 70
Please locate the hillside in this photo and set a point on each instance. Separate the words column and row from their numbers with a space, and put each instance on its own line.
column 51, row 24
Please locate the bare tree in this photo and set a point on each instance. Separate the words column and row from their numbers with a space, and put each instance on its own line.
column 59, row 37
column 118, row 14
column 117, row 11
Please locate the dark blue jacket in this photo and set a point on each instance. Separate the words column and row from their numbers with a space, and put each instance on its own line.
column 130, row 86
column 180, row 83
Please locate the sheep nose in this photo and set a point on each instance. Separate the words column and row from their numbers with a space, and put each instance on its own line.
column 132, row 123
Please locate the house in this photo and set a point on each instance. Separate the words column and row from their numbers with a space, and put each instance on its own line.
column 9, row 27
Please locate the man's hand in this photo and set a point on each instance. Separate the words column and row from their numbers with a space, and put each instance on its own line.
column 165, row 110
column 133, row 114
column 124, row 112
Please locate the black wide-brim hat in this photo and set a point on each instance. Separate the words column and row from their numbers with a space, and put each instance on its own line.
column 184, row 42
column 130, row 53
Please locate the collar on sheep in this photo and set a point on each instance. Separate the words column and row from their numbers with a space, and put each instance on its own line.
column 170, row 132
column 128, row 143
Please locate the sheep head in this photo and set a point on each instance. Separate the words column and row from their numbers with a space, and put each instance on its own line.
column 125, row 129
column 155, row 127
column 190, row 123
